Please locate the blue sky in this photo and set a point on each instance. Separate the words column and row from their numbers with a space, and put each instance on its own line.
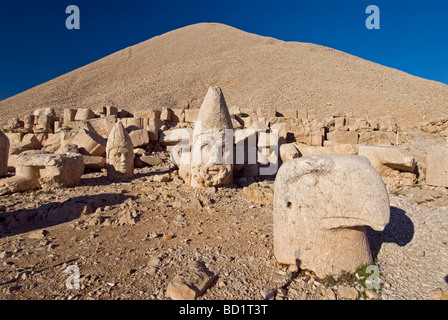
column 37, row 47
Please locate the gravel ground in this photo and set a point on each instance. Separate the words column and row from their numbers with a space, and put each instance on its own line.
column 130, row 239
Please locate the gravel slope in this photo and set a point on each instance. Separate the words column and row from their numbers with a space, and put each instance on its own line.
column 254, row 71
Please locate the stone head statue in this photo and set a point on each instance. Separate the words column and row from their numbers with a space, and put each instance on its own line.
column 119, row 153
column 208, row 167
column 321, row 207
column 4, row 153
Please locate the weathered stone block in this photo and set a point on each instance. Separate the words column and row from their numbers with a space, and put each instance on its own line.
column 40, row 169
column 387, row 123
column 69, row 115
column 437, row 166
column 343, row 137
column 94, row 162
column 178, row 115
column 90, row 143
column 4, row 154
column 140, row 138
column 191, row 283
column 84, row 114
column 166, row 114
column 191, row 115
column 387, row 158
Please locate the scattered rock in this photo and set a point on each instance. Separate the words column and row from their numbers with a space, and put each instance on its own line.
column 346, row 292
column 190, row 283
column 39, row 234
column 269, row 294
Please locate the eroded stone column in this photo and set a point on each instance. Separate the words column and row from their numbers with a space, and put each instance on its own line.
column 4, row 153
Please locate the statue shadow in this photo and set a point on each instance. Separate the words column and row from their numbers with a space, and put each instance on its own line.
column 400, row 230
column 54, row 213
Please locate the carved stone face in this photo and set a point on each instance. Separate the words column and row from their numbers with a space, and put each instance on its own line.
column 211, row 171
column 122, row 161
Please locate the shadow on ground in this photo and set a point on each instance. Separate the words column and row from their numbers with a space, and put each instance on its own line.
column 400, row 230
column 54, row 213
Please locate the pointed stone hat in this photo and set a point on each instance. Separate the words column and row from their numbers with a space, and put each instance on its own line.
column 119, row 138
column 214, row 113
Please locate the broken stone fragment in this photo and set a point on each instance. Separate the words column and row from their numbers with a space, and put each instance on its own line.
column 151, row 160
column 288, row 151
column 190, row 283
column 388, row 158
column 139, row 138
column 90, row 143
column 94, row 162
column 40, row 169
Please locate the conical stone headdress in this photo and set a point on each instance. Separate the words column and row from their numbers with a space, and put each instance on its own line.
column 119, row 138
column 214, row 113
